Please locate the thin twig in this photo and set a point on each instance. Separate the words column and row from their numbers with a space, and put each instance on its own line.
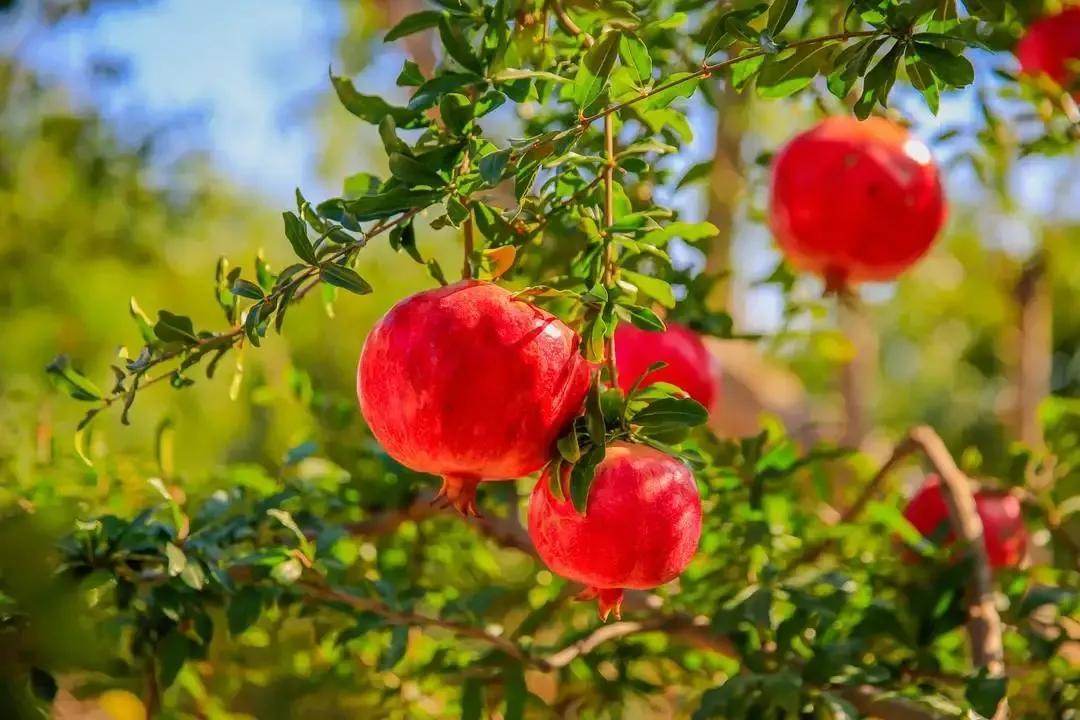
column 567, row 23
column 610, row 248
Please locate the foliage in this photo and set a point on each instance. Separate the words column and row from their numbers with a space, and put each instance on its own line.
column 326, row 575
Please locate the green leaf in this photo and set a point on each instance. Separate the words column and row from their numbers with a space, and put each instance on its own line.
column 243, row 610
column 878, row 82
column 176, row 328
column 954, row 70
column 923, row 80
column 71, row 380
column 671, row 411
column 780, row 13
column 595, row 69
column 569, row 448
column 781, row 78
column 636, row 56
column 436, row 271
column 493, row 166
column 345, row 278
column 172, row 652
column 472, row 699
column 643, row 318
column 399, row 200
column 582, row 476
column 413, row 172
column 659, row 290
column 457, row 46
column 985, row 692
column 297, row 235
column 410, row 75
column 43, row 684
column 743, row 72
column 247, row 289
column 361, row 184
column 456, row 111
column 414, row 23
column 428, row 94
column 515, row 691
column 678, row 85
column 372, row 108
column 399, row 643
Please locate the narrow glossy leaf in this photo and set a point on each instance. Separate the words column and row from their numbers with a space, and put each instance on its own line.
column 244, row 609
column 361, row 184
column 781, row 78
column 375, row 207
column 878, row 82
column 493, row 166
column 923, row 80
column 456, row 111
column 436, row 271
column 635, row 55
column 428, row 94
column 582, row 475
column 410, row 75
column 643, row 318
column 472, row 699
column 681, row 85
column 177, row 328
column 345, row 278
column 954, row 70
column 399, row 643
column 569, row 448
column 659, row 290
column 247, row 289
column 595, row 69
column 414, row 172
column 297, row 235
column 414, row 23
column 372, row 108
column 780, row 13
column 457, row 47
column 71, row 380
column 671, row 411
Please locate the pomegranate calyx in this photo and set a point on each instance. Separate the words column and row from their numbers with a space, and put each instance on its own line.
column 458, row 492
column 608, row 601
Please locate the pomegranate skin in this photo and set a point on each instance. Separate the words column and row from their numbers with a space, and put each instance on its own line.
column 465, row 382
column 1004, row 534
column 690, row 366
column 640, row 530
column 855, row 201
column 1048, row 46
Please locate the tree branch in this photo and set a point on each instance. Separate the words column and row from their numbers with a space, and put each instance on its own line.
column 984, row 623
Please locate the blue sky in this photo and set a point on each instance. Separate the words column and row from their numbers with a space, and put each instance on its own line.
column 244, row 66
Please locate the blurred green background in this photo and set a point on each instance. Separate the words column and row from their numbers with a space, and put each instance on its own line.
column 141, row 141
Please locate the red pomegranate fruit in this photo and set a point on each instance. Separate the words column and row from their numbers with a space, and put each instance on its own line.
column 640, row 529
column 690, row 366
column 468, row 383
column 1051, row 47
column 1004, row 534
column 855, row 201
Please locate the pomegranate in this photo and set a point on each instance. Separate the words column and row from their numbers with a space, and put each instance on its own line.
column 1004, row 534
column 1050, row 46
column 855, row 201
column 468, row 383
column 640, row 529
column 689, row 363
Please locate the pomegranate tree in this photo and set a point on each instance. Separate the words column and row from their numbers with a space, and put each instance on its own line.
column 855, row 200
column 467, row 382
column 639, row 530
column 1004, row 534
column 690, row 366
column 1051, row 47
